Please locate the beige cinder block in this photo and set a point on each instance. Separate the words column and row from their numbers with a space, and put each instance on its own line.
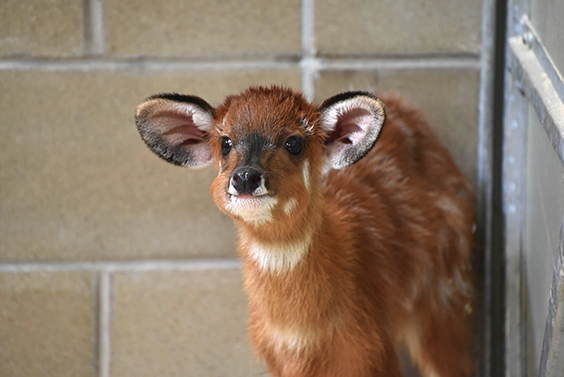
column 183, row 323
column 203, row 28
column 448, row 98
column 332, row 82
column 41, row 27
column 397, row 27
column 47, row 324
column 78, row 183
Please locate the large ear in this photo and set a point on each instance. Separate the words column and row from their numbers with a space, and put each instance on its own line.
column 353, row 121
column 176, row 128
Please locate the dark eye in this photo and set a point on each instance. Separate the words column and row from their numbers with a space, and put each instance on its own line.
column 294, row 145
column 226, row 146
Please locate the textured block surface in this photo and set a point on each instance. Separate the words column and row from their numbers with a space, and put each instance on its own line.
column 397, row 27
column 47, row 324
column 78, row 183
column 40, row 27
column 203, row 27
column 448, row 98
column 184, row 323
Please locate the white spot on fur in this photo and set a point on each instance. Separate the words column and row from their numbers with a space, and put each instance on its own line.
column 446, row 291
column 404, row 128
column 461, row 284
column 413, row 340
column 290, row 340
column 290, row 206
column 278, row 258
column 231, row 190
column 306, row 173
column 308, row 128
column 326, row 167
column 456, row 285
column 261, row 190
column 448, row 205
column 413, row 343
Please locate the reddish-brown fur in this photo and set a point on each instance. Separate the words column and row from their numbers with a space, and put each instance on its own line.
column 389, row 253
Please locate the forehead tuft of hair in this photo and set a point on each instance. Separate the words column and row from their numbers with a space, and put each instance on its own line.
column 267, row 106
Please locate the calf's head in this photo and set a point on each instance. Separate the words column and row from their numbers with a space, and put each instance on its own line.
column 270, row 146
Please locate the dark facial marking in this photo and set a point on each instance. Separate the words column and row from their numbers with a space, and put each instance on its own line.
column 252, row 147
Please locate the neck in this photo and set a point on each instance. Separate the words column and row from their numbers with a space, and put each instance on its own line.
column 282, row 244
column 303, row 281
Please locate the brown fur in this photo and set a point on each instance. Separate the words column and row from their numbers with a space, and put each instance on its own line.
column 389, row 257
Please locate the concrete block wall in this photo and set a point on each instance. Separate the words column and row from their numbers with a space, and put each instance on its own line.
column 114, row 263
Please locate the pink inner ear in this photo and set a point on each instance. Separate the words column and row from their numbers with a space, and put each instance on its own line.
column 348, row 123
column 178, row 129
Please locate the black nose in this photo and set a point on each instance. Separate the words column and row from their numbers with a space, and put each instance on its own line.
column 246, row 180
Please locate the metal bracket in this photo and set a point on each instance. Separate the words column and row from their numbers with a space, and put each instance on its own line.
column 540, row 82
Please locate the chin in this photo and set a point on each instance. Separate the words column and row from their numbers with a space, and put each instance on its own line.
column 256, row 210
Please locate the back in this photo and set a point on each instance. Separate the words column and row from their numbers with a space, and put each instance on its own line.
column 412, row 211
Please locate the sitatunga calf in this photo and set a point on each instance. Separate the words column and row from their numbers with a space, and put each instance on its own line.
column 355, row 226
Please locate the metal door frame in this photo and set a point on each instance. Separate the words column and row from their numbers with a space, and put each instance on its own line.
column 530, row 79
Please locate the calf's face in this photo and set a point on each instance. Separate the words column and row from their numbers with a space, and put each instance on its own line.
column 266, row 159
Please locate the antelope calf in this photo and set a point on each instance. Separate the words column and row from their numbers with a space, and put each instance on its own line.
column 355, row 226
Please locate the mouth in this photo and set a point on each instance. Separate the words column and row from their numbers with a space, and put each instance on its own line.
column 246, row 197
column 251, row 202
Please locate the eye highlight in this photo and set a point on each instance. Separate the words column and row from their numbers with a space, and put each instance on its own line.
column 226, row 146
column 294, row 145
